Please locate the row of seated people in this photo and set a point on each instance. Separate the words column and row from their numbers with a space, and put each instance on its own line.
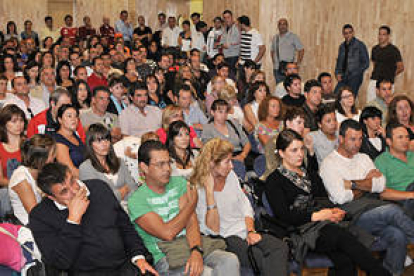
column 377, row 185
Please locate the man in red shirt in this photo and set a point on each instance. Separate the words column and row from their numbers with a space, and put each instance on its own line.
column 46, row 121
column 69, row 31
column 97, row 78
column 86, row 31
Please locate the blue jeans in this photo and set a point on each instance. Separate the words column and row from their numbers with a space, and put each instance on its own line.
column 278, row 77
column 354, row 82
column 217, row 263
column 239, row 168
column 5, row 205
column 392, row 225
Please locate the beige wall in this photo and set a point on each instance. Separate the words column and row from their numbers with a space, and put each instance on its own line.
column 19, row 11
column 318, row 24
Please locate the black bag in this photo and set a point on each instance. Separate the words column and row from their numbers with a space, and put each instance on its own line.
column 37, row 269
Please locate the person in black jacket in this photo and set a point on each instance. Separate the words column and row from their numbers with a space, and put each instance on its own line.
column 373, row 141
column 81, row 228
column 294, row 196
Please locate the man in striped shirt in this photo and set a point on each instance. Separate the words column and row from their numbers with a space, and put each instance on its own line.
column 251, row 42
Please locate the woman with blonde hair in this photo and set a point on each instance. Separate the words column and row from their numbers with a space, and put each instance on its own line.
column 218, row 84
column 228, row 93
column 223, row 209
column 171, row 114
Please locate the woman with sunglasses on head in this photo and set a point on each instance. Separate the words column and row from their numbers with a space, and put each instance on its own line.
column 102, row 162
column 23, row 191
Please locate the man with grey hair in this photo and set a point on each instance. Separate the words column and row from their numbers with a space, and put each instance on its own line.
column 47, row 85
column 46, row 121
column 286, row 47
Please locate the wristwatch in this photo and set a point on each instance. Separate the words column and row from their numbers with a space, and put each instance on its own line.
column 197, row 248
column 353, row 185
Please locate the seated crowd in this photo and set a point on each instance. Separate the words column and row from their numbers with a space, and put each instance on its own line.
column 127, row 152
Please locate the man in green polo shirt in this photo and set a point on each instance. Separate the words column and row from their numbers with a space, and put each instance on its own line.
column 397, row 165
column 163, row 208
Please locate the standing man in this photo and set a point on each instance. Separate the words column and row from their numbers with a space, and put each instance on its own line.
column 352, row 61
column 107, row 31
column 48, row 30
column 251, row 43
column 230, row 40
column 69, row 31
column 124, row 27
column 86, row 31
column 286, row 46
column 171, row 33
column 386, row 59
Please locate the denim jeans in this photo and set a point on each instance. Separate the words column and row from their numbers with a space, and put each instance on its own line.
column 278, row 76
column 217, row 263
column 5, row 205
column 392, row 225
column 354, row 82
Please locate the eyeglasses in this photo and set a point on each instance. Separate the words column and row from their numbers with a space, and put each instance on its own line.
column 162, row 164
column 106, row 137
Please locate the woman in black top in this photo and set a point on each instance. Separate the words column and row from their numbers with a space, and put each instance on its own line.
column 373, row 141
column 293, row 194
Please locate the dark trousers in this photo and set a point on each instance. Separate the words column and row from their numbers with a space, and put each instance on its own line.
column 127, row 269
column 354, row 82
column 346, row 252
column 271, row 254
column 231, row 61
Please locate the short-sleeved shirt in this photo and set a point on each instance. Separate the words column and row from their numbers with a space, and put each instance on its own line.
column 385, row 61
column 166, row 205
column 293, row 102
column 262, row 129
column 287, row 45
column 88, row 117
column 19, row 175
column 249, row 45
column 398, row 173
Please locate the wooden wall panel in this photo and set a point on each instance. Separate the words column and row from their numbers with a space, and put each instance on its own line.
column 319, row 25
column 213, row 8
column 21, row 10
column 96, row 9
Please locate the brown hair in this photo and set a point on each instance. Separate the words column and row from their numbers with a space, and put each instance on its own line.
column 36, row 150
column 6, row 115
column 264, row 108
column 392, row 109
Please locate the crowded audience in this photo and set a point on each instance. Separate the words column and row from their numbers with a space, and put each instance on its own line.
column 132, row 150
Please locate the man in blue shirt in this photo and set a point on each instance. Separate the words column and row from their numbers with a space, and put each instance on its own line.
column 124, row 27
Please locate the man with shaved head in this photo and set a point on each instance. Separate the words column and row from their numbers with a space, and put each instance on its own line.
column 286, row 47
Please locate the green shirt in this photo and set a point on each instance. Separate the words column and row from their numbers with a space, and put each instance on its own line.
column 397, row 173
column 144, row 201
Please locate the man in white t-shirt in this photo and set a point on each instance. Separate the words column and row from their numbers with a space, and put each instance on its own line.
column 171, row 33
column 251, row 42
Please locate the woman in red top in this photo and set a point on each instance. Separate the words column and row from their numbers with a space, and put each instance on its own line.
column 12, row 125
column 171, row 114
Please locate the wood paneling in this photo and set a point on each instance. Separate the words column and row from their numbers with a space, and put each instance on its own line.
column 97, row 9
column 58, row 9
column 319, row 26
column 19, row 11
